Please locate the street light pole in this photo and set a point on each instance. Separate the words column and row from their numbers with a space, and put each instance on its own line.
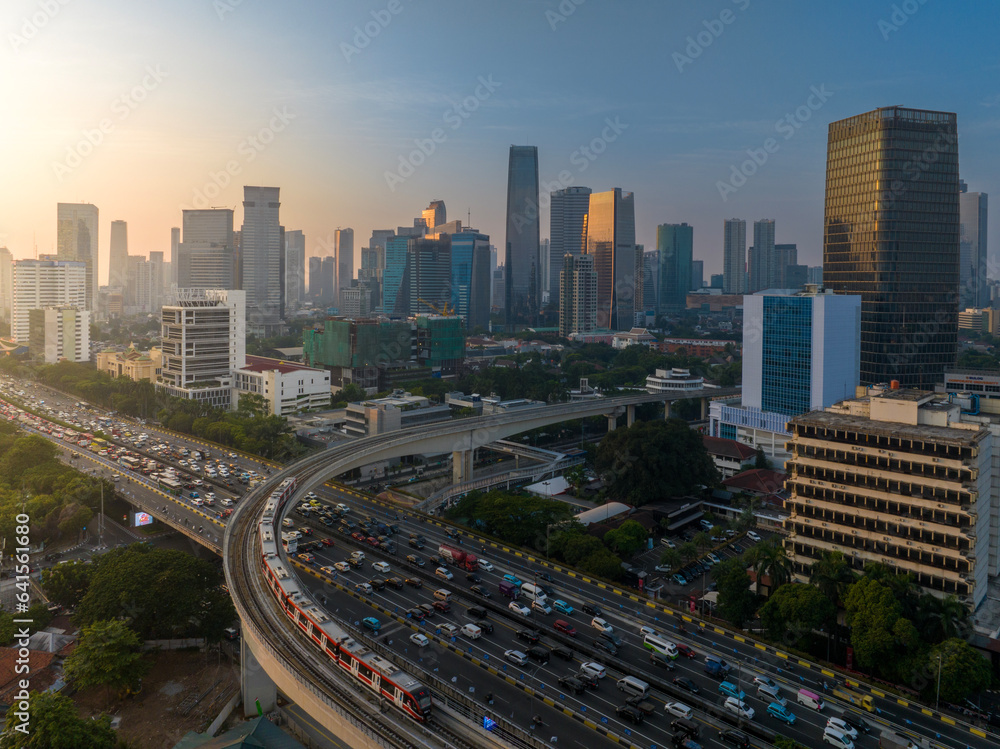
column 937, row 702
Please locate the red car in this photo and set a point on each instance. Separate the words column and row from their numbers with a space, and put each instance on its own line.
column 358, row 536
column 686, row 650
column 327, row 542
column 561, row 625
column 372, row 541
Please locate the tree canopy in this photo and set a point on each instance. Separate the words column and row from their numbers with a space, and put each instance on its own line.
column 108, row 654
column 794, row 610
column 515, row 518
column 55, row 724
column 737, row 603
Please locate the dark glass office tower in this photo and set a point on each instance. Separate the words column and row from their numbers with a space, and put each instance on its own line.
column 611, row 241
column 891, row 234
column 521, row 257
column 674, row 245
column 567, row 231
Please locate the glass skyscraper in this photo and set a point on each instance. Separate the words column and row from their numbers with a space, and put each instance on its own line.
column 675, row 247
column 521, row 259
column 395, row 270
column 262, row 257
column 611, row 242
column 470, row 277
column 891, row 234
column 567, row 231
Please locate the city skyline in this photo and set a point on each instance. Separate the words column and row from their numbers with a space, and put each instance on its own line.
column 388, row 91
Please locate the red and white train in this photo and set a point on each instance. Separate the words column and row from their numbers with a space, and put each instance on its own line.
column 375, row 672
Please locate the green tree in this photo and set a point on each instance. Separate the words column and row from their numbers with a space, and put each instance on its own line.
column 576, row 477
column 108, row 655
column 654, row 460
column 793, row 611
column 626, row 539
column 352, row 393
column 939, row 619
column 703, row 541
column 832, row 574
column 55, row 724
column 603, row 564
column 67, row 583
column 671, row 558
column 872, row 612
column 769, row 559
column 688, row 551
column 963, row 671
column 737, row 603
column 761, row 461
column 783, row 742
column 516, row 519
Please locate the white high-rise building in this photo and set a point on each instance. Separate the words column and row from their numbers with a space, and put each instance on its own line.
column 567, row 231
column 203, row 344
column 157, row 282
column 138, row 286
column 58, row 333
column 119, row 255
column 45, row 283
column 734, row 256
column 76, row 237
column 6, row 283
column 261, row 256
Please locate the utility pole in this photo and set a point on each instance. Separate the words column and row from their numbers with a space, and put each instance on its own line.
column 937, row 702
column 101, row 524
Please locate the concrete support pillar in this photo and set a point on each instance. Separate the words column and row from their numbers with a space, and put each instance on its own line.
column 630, row 415
column 612, row 422
column 255, row 683
column 461, row 466
column 704, row 408
column 666, row 409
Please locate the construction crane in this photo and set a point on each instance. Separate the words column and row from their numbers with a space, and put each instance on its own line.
column 446, row 311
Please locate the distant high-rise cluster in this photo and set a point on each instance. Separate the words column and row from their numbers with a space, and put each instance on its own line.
column 76, row 238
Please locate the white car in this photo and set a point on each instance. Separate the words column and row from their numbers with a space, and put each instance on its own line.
column 644, row 630
column 541, row 606
column 517, row 608
column 442, row 572
column 448, row 630
column 342, row 566
column 837, row 738
column 764, row 681
column 738, row 707
column 678, row 710
column 594, row 669
column 752, row 535
column 381, row 566
column 516, row 657
column 601, row 624
column 839, row 724
column 484, row 565
column 419, row 640
column 358, row 555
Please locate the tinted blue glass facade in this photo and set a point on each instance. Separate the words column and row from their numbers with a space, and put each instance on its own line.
column 787, row 354
column 395, row 268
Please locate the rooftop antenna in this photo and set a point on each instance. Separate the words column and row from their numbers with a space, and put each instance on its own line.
column 468, row 217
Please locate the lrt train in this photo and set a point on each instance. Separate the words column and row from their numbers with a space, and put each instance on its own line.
column 377, row 673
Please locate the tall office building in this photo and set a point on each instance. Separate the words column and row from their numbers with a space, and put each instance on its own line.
column 973, row 210
column 138, row 286
column 567, row 231
column 498, row 291
column 157, row 280
column 203, row 343
column 787, row 256
column 315, row 278
column 59, row 333
column 763, row 270
column 344, row 244
column 6, row 283
column 577, row 295
column 697, row 274
column 395, row 271
column 611, row 242
column 47, row 282
column 262, row 257
column 76, row 238
column 295, row 270
column 543, row 269
column 175, row 241
column 521, row 255
column 435, row 214
column 206, row 258
column 470, row 277
column 328, row 281
column 650, row 280
column 675, row 245
column 894, row 238
column 734, row 256
column 119, row 254
column 426, row 286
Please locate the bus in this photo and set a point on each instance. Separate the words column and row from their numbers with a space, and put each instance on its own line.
column 131, row 464
column 170, row 486
column 290, row 541
column 97, row 444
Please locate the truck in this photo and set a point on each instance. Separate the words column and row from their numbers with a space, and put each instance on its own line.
column 463, row 559
column 893, row 740
column 714, row 667
column 855, row 698
column 509, row 589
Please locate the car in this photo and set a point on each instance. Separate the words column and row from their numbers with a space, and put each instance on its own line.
column 601, row 624
column 664, row 568
column 378, row 583
column 480, row 591
column 419, row 640
column 327, row 569
column 530, row 636
column 714, row 559
column 678, row 710
column 591, row 608
column 680, row 579
column 686, row 650
column 781, row 712
column 735, row 738
column 427, row 608
column 394, row 582
column 669, row 543
column 381, row 566
column 443, row 606
column 442, row 572
column 730, row 690
column 685, row 683
column 738, row 707
column 662, row 660
column 647, row 630
column 516, row 657
column 771, row 694
column 630, row 713
column 414, row 559
column 513, row 579
column 306, row 557
column 370, row 622
column 572, row 684
column 356, row 562
column 541, row 607
column 593, row 668
column 448, row 629
column 560, row 625
column 837, row 738
column 590, row 680
column 518, row 608
column 472, row 577
column 856, row 722
column 477, row 612
column 416, row 613
column 843, row 726
column 606, row 645
column 372, row 541
column 327, row 542
column 485, row 565
column 764, row 681
column 562, row 607
column 753, row 536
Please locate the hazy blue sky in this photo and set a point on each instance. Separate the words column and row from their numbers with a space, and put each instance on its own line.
column 181, row 86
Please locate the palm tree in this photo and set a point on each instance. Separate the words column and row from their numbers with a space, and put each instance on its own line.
column 672, row 558
column 688, row 551
column 938, row 619
column 832, row 574
column 770, row 559
column 702, row 541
